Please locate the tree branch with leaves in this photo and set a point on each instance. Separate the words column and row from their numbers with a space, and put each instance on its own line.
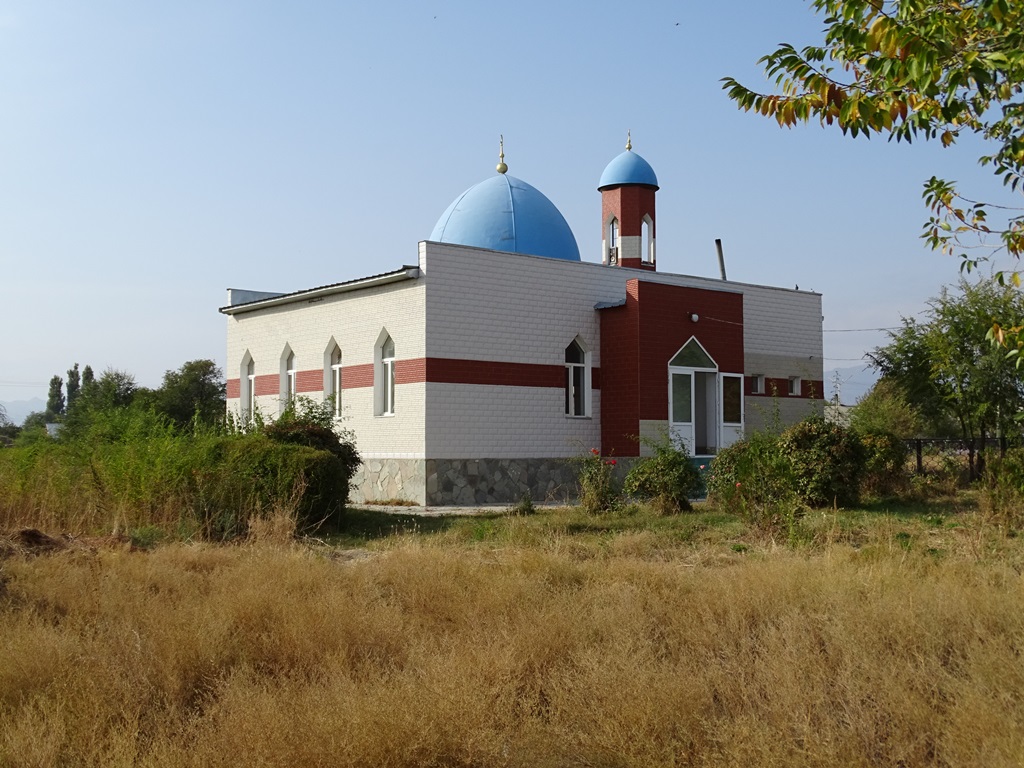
column 931, row 69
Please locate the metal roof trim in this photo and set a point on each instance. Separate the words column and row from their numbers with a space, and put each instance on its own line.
column 399, row 275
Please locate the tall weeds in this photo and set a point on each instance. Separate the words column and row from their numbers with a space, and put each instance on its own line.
column 424, row 655
column 135, row 471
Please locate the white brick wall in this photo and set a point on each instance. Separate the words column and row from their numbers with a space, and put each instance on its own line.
column 483, row 305
column 355, row 321
column 495, row 422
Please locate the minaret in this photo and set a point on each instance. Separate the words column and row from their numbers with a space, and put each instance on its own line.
column 627, row 189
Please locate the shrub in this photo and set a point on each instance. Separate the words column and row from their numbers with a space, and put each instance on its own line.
column 596, row 477
column 827, row 461
column 1002, row 497
column 885, row 463
column 754, row 478
column 668, row 479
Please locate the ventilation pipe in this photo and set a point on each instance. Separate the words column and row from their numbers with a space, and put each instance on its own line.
column 721, row 257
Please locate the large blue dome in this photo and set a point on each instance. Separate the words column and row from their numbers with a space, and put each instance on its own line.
column 628, row 168
column 503, row 213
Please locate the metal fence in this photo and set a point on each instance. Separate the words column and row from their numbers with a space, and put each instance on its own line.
column 974, row 450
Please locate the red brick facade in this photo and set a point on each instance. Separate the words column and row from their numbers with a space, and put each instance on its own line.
column 809, row 388
column 629, row 205
column 268, row 384
column 309, row 381
column 639, row 339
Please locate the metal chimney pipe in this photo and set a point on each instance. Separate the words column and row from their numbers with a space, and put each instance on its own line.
column 721, row 257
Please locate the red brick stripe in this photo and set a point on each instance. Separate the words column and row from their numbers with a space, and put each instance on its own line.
column 309, row 381
column 443, row 370
column 355, row 376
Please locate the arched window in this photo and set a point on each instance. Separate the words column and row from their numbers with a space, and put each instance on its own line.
column 289, row 378
column 613, row 241
column 575, row 380
column 647, row 240
column 250, row 391
column 387, row 377
column 334, row 379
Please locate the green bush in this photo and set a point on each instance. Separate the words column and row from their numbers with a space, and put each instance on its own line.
column 885, row 464
column 754, row 478
column 667, row 479
column 598, row 491
column 827, row 462
column 131, row 470
column 1002, row 496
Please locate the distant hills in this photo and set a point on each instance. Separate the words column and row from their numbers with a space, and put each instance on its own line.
column 17, row 410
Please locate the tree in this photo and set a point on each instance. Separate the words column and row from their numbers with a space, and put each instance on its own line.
column 915, row 68
column 195, row 391
column 884, row 410
column 55, row 398
column 948, row 369
column 74, row 385
column 88, row 379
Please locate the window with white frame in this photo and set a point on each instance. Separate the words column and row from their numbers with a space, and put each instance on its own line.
column 732, row 399
column 647, row 239
column 757, row 384
column 289, row 377
column 575, row 380
column 334, row 380
column 794, row 386
column 387, row 377
column 250, row 393
column 613, row 241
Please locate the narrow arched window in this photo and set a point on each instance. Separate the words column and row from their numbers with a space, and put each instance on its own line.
column 387, row 364
column 613, row 241
column 575, row 380
column 335, row 380
column 289, row 378
column 250, row 378
column 646, row 240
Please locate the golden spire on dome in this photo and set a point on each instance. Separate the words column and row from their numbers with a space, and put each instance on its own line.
column 501, row 154
column 629, row 142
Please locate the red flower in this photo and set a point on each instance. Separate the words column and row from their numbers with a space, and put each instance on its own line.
column 610, row 462
column 595, row 451
column 737, row 485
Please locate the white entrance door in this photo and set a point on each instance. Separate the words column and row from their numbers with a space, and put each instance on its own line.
column 680, row 407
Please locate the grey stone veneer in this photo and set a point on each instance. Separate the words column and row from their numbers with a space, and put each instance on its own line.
column 465, row 482
column 468, row 482
column 389, row 479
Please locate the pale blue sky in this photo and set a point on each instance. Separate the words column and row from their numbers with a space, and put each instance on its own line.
column 154, row 154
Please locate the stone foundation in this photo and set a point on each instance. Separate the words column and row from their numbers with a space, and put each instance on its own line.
column 465, row 482
column 379, row 480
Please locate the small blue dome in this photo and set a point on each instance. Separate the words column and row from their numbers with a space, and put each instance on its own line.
column 628, row 168
column 503, row 213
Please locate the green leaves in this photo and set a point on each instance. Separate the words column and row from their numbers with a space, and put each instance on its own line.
column 910, row 68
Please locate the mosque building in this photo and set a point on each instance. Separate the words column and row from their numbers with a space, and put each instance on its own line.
column 471, row 375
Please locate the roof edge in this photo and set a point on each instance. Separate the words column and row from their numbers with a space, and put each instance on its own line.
column 309, row 294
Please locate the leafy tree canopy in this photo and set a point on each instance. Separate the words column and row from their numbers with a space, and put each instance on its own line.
column 196, row 391
column 55, row 398
column 946, row 367
column 915, row 68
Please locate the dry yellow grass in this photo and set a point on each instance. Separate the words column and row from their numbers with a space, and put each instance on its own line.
column 561, row 654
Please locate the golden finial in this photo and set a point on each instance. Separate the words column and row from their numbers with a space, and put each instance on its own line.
column 501, row 155
column 629, row 142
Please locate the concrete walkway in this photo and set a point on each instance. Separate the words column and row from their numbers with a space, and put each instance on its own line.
column 488, row 509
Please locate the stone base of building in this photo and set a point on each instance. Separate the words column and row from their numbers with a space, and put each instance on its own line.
column 464, row 482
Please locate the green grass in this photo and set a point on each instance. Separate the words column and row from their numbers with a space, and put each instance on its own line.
column 935, row 526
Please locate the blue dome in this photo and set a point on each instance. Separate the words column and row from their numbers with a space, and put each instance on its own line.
column 628, row 168
column 503, row 213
